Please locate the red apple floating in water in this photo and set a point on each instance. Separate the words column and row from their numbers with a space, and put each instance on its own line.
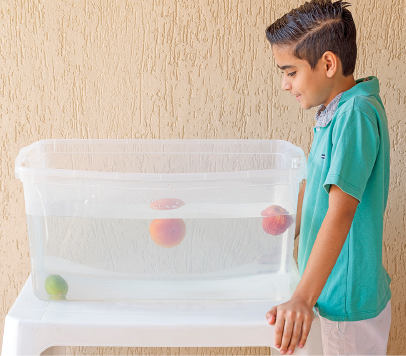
column 276, row 221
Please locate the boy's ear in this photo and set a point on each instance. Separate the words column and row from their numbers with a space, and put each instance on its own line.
column 330, row 63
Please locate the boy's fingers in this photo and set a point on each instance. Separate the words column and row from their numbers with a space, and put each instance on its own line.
column 295, row 336
column 287, row 334
column 279, row 326
column 305, row 331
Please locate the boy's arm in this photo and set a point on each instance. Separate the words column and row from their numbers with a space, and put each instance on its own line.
column 294, row 318
column 299, row 209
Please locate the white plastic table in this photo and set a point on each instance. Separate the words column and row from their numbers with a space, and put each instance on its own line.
column 34, row 326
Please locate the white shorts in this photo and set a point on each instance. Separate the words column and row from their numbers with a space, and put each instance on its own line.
column 364, row 337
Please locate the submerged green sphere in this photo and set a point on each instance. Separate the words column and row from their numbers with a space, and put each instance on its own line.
column 56, row 286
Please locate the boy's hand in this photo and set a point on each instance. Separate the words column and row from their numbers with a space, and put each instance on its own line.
column 292, row 320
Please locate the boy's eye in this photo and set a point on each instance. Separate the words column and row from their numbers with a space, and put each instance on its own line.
column 291, row 74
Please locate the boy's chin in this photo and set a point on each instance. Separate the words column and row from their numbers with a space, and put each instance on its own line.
column 306, row 106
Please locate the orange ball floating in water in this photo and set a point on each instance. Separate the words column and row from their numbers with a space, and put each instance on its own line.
column 167, row 232
column 276, row 221
column 166, row 204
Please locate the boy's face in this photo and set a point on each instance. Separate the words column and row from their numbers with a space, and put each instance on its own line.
column 311, row 87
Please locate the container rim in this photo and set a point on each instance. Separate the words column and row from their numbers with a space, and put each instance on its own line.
column 21, row 172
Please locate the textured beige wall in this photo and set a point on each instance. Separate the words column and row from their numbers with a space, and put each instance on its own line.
column 174, row 69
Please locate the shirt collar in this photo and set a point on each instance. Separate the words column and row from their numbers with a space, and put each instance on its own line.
column 364, row 86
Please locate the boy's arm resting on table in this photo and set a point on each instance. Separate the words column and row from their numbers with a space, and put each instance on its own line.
column 299, row 209
column 294, row 318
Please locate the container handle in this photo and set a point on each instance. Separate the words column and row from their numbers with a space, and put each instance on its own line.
column 21, row 161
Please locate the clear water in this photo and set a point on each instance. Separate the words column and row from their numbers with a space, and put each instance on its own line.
column 116, row 259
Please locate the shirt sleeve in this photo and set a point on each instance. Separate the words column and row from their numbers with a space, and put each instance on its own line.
column 355, row 141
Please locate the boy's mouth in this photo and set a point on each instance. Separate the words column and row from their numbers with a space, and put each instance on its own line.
column 298, row 96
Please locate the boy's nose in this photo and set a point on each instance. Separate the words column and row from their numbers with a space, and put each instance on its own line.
column 285, row 84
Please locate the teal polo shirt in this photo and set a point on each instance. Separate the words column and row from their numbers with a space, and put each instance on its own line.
column 352, row 152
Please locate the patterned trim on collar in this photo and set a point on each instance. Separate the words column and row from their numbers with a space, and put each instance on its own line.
column 325, row 114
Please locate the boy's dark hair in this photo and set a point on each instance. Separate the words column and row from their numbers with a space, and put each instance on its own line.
column 316, row 27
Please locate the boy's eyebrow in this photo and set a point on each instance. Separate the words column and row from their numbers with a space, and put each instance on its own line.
column 286, row 66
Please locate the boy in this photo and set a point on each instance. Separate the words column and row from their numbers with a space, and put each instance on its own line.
column 341, row 206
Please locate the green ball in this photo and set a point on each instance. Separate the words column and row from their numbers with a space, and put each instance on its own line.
column 56, row 286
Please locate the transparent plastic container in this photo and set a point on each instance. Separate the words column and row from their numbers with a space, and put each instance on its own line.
column 161, row 219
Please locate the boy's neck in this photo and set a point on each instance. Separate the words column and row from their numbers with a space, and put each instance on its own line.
column 343, row 84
